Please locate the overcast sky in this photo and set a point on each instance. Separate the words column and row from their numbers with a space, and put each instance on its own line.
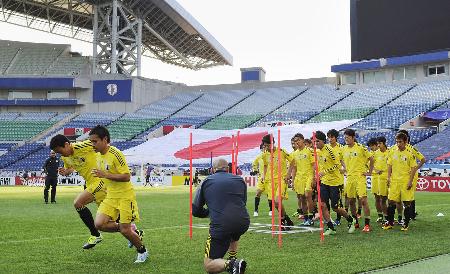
column 289, row 39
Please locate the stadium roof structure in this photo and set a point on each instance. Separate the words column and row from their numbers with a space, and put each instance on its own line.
column 123, row 30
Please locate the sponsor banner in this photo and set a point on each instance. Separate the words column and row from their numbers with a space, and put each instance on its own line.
column 76, row 180
column 112, row 91
column 251, row 181
column 153, row 180
column 72, row 131
column 280, row 123
column 433, row 184
column 7, row 181
column 30, row 181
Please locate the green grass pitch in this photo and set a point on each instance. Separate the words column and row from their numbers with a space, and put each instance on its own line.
column 47, row 238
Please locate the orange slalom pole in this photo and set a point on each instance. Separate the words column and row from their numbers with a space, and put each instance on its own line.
column 316, row 163
column 280, row 205
column 232, row 154
column 237, row 152
column 273, row 186
column 190, row 185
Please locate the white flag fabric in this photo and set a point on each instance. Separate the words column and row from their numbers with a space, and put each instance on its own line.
column 174, row 147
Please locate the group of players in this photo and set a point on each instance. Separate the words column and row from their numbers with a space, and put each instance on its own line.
column 342, row 172
column 103, row 167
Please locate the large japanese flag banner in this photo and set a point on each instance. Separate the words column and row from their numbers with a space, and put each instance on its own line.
column 174, row 147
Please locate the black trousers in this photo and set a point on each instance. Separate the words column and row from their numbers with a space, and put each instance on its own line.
column 50, row 182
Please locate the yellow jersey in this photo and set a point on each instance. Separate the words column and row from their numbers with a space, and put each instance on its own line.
column 402, row 162
column 258, row 163
column 380, row 161
column 355, row 159
column 304, row 161
column 417, row 155
column 83, row 160
column 286, row 158
column 114, row 162
column 337, row 150
column 329, row 165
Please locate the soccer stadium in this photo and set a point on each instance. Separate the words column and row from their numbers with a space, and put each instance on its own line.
column 171, row 134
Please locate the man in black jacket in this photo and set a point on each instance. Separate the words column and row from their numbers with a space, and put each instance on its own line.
column 51, row 166
column 225, row 195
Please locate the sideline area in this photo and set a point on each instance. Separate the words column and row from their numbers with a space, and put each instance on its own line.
column 437, row 264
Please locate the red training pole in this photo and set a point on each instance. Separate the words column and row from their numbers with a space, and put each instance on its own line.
column 237, row 152
column 190, row 185
column 280, row 205
column 316, row 163
column 232, row 154
column 273, row 186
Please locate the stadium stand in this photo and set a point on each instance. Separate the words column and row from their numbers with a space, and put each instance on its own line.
column 361, row 103
column 67, row 65
column 257, row 105
column 143, row 120
column 314, row 100
column 16, row 154
column 435, row 147
column 34, row 60
column 207, row 107
column 423, row 97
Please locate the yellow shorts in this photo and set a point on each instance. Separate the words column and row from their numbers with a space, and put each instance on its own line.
column 98, row 190
column 356, row 186
column 302, row 185
column 379, row 185
column 126, row 208
column 261, row 186
column 284, row 193
column 399, row 193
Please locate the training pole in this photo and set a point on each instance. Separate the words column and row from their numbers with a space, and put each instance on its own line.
column 237, row 153
column 316, row 163
column 190, row 185
column 232, row 154
column 273, row 186
column 280, row 205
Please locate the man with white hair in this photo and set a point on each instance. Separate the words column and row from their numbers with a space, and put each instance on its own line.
column 225, row 196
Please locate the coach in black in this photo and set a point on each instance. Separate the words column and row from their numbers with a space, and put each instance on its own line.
column 225, row 195
column 51, row 166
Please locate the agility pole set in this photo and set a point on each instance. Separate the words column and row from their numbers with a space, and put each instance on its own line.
column 234, row 164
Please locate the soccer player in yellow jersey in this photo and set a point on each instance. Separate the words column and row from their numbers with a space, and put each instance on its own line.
column 120, row 199
column 421, row 161
column 372, row 144
column 379, row 177
column 333, row 136
column 268, row 168
column 303, row 166
column 258, row 168
column 402, row 168
column 81, row 157
column 329, row 184
column 355, row 157
column 291, row 174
